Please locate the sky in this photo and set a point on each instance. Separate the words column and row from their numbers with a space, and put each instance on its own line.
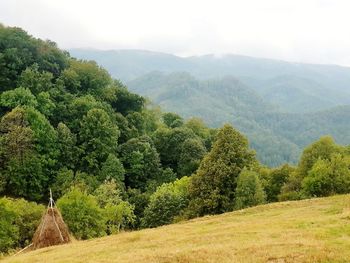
column 311, row 31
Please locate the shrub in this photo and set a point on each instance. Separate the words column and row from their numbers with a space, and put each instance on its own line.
column 249, row 191
column 166, row 203
column 118, row 214
column 82, row 214
column 328, row 177
column 18, row 222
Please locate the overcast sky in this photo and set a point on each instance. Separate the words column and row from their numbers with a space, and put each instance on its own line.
column 316, row 31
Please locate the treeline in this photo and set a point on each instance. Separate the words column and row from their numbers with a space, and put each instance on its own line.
column 115, row 162
column 67, row 125
column 277, row 135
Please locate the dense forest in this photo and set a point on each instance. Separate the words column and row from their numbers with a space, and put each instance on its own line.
column 280, row 106
column 115, row 162
column 276, row 135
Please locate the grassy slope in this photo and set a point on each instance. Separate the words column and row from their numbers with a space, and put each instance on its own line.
column 316, row 230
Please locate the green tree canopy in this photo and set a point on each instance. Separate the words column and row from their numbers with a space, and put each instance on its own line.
column 328, row 177
column 98, row 137
column 166, row 203
column 141, row 162
column 249, row 191
column 82, row 214
column 212, row 188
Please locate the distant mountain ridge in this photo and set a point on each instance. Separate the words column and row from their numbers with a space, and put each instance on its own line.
column 276, row 136
column 320, row 86
column 280, row 106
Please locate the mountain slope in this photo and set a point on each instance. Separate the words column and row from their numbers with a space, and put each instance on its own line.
column 315, row 230
column 276, row 136
column 280, row 106
column 327, row 83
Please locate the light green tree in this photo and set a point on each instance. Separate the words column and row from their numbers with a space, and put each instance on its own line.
column 82, row 214
column 249, row 191
column 166, row 203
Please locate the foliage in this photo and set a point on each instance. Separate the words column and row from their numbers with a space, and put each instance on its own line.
column 172, row 120
column 18, row 97
column 119, row 214
column 328, row 177
column 139, row 200
column 85, row 219
column 192, row 152
column 276, row 179
column 323, row 148
column 249, row 191
column 112, row 168
column 19, row 220
column 167, row 202
column 8, row 231
column 141, row 162
column 98, row 137
column 212, row 188
column 169, row 143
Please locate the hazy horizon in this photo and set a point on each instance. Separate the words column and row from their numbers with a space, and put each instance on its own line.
column 203, row 55
column 312, row 31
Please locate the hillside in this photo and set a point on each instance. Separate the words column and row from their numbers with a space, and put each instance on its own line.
column 280, row 106
column 277, row 136
column 310, row 86
column 315, row 230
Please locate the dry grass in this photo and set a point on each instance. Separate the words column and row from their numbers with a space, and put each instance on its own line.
column 316, row 230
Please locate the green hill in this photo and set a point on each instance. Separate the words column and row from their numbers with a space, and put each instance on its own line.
column 276, row 135
column 315, row 230
column 280, row 106
column 321, row 86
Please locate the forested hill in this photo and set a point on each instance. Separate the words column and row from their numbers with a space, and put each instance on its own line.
column 115, row 162
column 276, row 136
column 280, row 106
column 321, row 86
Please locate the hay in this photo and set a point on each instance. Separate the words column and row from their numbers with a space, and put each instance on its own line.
column 51, row 231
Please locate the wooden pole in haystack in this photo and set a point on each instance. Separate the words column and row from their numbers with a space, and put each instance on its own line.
column 52, row 229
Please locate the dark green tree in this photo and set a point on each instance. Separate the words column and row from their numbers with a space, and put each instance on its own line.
column 141, row 162
column 98, row 137
column 36, row 81
column 68, row 150
column 169, row 144
column 172, row 120
column 212, row 188
column 112, row 168
column 192, row 153
column 276, row 179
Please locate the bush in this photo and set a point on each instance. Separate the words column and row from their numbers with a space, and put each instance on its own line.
column 8, row 231
column 275, row 181
column 18, row 222
column 328, row 177
column 249, row 191
column 82, row 214
column 166, row 203
column 118, row 214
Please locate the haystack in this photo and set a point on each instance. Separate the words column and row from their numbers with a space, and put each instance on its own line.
column 52, row 229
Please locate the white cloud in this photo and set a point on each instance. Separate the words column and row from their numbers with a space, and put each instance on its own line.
column 300, row 30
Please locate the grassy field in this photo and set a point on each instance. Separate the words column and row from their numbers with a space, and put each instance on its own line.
column 316, row 230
